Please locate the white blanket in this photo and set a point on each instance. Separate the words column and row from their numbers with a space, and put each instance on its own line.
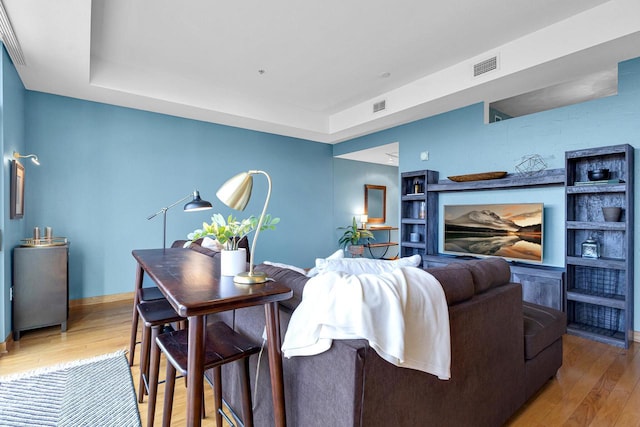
column 403, row 314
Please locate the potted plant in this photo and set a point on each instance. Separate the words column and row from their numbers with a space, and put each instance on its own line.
column 228, row 234
column 351, row 238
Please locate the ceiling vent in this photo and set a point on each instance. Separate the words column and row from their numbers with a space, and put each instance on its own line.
column 379, row 106
column 9, row 38
column 485, row 66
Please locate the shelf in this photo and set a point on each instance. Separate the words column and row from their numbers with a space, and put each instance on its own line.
column 604, row 226
column 608, row 300
column 606, row 336
column 542, row 178
column 381, row 245
column 419, row 245
column 593, row 189
column 420, row 221
column 413, row 197
column 614, row 263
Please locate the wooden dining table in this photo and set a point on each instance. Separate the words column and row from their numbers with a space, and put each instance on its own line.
column 191, row 283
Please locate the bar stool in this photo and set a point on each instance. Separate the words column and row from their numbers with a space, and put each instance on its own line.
column 155, row 315
column 141, row 295
column 222, row 345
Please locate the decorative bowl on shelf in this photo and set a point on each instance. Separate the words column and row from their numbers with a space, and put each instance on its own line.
column 598, row 174
column 478, row 176
column 611, row 214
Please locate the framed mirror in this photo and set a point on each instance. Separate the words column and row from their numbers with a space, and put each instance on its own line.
column 375, row 203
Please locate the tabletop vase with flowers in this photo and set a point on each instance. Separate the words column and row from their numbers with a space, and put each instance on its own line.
column 228, row 234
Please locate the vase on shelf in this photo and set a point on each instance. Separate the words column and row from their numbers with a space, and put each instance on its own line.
column 612, row 214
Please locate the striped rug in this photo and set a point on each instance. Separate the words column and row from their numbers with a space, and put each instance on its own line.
column 90, row 392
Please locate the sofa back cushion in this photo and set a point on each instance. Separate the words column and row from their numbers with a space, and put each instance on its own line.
column 488, row 273
column 363, row 265
column 288, row 277
column 456, row 282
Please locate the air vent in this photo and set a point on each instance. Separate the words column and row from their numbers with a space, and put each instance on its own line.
column 379, row 106
column 485, row 66
column 9, row 38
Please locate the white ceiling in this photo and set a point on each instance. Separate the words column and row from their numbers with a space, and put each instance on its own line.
column 323, row 63
column 387, row 154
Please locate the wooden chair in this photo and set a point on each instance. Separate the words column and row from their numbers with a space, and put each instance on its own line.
column 222, row 345
column 155, row 315
column 141, row 295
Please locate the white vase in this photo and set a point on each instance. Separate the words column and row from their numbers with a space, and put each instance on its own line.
column 233, row 262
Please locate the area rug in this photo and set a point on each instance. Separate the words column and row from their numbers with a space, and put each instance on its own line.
column 90, row 392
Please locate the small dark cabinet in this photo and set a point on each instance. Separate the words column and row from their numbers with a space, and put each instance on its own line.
column 40, row 288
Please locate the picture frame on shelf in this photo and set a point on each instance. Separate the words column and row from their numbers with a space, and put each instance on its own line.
column 16, row 210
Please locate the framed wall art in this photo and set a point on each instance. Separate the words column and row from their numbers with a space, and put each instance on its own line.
column 17, row 190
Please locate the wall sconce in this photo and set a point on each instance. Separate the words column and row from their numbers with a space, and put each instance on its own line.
column 33, row 157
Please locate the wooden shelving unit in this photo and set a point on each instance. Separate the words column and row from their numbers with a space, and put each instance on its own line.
column 599, row 291
column 418, row 213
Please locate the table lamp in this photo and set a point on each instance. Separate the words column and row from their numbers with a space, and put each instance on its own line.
column 236, row 193
column 196, row 204
column 364, row 219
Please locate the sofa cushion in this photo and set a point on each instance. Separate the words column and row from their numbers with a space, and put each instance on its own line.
column 542, row 327
column 290, row 278
column 365, row 265
column 339, row 254
column 488, row 273
column 456, row 281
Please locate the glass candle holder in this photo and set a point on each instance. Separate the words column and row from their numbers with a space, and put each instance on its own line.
column 590, row 248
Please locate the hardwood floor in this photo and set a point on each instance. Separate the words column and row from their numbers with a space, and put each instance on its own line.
column 598, row 385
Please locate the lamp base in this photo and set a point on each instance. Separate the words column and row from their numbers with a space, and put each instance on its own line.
column 245, row 278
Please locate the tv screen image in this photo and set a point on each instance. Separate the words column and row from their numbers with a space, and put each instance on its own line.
column 510, row 230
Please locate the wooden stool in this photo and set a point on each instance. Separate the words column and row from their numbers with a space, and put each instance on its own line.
column 222, row 345
column 155, row 315
column 141, row 295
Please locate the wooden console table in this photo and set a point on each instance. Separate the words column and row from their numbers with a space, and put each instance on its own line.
column 188, row 281
column 384, row 245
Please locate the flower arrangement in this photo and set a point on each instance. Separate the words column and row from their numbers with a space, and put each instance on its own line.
column 228, row 233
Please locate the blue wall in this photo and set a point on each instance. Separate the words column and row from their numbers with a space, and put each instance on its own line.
column 348, row 193
column 105, row 169
column 11, row 139
column 459, row 142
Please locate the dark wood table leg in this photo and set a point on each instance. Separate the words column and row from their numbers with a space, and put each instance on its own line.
column 134, row 321
column 195, row 370
column 275, row 363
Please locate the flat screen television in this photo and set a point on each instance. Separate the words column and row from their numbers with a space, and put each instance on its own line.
column 512, row 231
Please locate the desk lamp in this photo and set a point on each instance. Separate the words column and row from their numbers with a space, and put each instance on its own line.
column 236, row 193
column 196, row 204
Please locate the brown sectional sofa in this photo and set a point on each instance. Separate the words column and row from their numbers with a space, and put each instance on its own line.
column 502, row 352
